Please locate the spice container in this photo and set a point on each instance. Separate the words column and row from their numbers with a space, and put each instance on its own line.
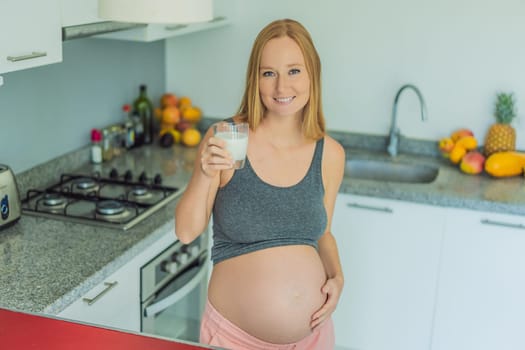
column 129, row 128
column 96, row 147
column 118, row 139
column 107, row 151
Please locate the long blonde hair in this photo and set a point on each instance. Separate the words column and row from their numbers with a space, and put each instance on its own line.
column 252, row 108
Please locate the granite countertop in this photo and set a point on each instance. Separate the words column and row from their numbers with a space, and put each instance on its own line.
column 451, row 188
column 47, row 264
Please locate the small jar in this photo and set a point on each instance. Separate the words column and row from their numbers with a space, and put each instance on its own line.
column 96, row 147
column 107, row 150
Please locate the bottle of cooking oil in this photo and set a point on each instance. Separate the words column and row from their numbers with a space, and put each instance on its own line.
column 144, row 109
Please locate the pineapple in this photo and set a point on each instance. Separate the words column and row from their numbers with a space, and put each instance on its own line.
column 501, row 136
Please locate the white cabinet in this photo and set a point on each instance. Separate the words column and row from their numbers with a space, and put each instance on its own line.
column 76, row 12
column 390, row 254
column 30, row 34
column 116, row 301
column 153, row 32
column 481, row 298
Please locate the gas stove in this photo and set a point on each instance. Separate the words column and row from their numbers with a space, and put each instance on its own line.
column 117, row 201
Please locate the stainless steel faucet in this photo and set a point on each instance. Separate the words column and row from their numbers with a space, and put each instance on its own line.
column 395, row 135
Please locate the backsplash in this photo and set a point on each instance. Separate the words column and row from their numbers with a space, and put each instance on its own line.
column 49, row 111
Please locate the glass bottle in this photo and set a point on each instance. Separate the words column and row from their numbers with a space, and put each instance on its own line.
column 107, row 151
column 129, row 127
column 144, row 109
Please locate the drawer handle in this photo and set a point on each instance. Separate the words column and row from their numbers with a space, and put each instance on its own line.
column 32, row 55
column 109, row 285
column 499, row 223
column 368, row 207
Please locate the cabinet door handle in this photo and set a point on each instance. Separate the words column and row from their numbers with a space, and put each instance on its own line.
column 32, row 55
column 500, row 223
column 369, row 207
column 109, row 285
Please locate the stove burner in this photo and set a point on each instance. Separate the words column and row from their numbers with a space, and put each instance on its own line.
column 109, row 207
column 103, row 201
column 139, row 191
column 84, row 183
column 53, row 199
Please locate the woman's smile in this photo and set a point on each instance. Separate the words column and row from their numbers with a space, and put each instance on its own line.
column 284, row 100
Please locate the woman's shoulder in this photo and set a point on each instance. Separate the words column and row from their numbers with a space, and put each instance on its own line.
column 333, row 163
column 333, row 150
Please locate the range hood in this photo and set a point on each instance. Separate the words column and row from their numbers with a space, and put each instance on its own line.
column 107, row 16
column 90, row 29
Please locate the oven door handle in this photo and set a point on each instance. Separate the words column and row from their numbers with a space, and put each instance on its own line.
column 154, row 309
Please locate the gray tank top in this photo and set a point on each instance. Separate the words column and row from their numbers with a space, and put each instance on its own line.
column 250, row 214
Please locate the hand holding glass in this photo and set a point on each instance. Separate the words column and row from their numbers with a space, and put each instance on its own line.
column 236, row 137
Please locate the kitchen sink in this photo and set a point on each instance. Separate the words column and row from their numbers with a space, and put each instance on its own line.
column 390, row 170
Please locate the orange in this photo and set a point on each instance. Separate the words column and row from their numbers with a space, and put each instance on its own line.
column 168, row 99
column 170, row 115
column 192, row 114
column 191, row 137
column 184, row 102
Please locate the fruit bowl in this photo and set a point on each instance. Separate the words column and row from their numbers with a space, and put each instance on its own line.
column 390, row 171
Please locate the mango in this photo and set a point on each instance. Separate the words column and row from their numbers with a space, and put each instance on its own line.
column 505, row 164
column 460, row 133
column 472, row 163
column 468, row 142
column 457, row 153
column 446, row 145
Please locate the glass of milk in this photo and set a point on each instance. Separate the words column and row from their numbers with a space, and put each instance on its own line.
column 236, row 137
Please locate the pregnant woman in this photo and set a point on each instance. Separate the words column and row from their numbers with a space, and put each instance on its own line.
column 277, row 276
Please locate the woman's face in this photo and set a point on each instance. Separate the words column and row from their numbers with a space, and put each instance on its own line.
column 284, row 83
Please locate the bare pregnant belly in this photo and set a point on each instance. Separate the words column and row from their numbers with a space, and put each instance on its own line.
column 271, row 293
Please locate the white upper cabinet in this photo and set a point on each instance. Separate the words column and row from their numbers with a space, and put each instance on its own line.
column 30, row 34
column 76, row 12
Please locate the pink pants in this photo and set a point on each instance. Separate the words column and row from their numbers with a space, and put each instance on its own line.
column 218, row 331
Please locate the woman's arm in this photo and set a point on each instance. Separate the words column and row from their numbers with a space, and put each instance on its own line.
column 333, row 171
column 193, row 211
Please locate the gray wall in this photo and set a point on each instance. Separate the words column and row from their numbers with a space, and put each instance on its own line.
column 50, row 110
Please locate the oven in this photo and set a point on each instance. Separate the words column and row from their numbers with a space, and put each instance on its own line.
column 174, row 290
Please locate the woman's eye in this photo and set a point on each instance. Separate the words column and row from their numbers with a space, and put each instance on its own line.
column 294, row 71
column 268, row 74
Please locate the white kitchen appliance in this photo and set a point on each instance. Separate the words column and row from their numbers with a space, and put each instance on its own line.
column 9, row 197
column 174, row 290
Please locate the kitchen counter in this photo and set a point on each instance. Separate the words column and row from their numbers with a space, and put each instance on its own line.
column 451, row 188
column 47, row 264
